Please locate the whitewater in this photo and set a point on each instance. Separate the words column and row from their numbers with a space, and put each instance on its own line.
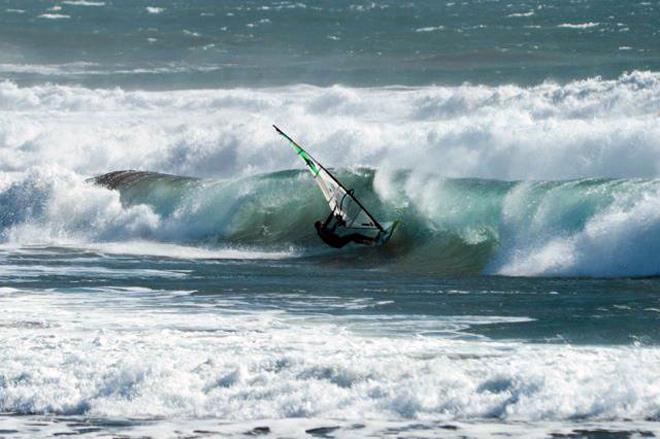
column 160, row 274
column 560, row 176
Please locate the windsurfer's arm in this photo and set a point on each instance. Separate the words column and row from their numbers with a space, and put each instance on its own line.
column 326, row 223
column 328, row 219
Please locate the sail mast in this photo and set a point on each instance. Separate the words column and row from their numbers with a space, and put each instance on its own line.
column 316, row 168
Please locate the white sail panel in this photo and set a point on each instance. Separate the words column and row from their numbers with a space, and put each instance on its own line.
column 341, row 201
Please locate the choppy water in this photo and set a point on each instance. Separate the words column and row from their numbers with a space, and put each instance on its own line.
column 248, row 43
column 109, row 339
column 517, row 142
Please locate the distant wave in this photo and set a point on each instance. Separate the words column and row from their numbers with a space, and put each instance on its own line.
column 521, row 14
column 579, row 25
column 78, row 69
column 429, row 28
column 54, row 16
column 83, row 3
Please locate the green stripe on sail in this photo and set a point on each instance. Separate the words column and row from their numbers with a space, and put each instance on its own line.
column 301, row 152
column 310, row 163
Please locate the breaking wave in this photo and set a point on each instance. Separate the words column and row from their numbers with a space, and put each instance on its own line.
column 588, row 128
column 363, row 369
column 554, row 179
column 590, row 227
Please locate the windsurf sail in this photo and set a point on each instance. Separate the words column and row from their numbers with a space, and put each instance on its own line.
column 341, row 200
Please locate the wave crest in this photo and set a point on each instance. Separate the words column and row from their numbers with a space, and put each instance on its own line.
column 588, row 128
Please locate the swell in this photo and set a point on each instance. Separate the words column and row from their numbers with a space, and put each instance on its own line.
column 272, row 210
column 592, row 227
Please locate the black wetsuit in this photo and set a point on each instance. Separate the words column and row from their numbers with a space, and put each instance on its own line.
column 328, row 235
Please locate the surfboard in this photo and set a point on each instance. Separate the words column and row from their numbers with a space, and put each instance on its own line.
column 355, row 218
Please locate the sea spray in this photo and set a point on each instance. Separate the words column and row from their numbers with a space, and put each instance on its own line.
column 586, row 128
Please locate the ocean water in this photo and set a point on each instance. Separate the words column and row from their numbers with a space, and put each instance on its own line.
column 516, row 141
column 251, row 43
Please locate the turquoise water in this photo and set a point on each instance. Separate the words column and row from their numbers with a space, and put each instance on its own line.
column 587, row 227
column 516, row 141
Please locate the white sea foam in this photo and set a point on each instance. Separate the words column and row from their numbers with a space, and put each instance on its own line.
column 152, row 248
column 521, row 14
column 83, row 3
column 617, row 241
column 93, row 69
column 429, row 29
column 123, row 359
column 15, row 272
column 55, row 16
column 74, row 68
column 50, row 204
column 154, row 9
column 191, row 33
column 578, row 25
column 6, row 291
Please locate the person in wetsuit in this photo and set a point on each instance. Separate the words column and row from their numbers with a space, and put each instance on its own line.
column 329, row 236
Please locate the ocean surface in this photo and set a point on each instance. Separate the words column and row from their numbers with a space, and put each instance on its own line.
column 518, row 142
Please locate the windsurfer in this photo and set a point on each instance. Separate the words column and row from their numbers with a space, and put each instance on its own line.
column 347, row 212
column 327, row 232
